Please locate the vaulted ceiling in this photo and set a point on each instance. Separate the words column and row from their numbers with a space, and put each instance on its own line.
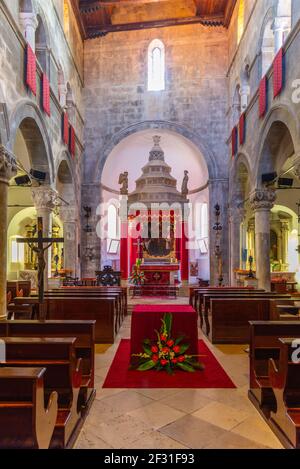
column 99, row 17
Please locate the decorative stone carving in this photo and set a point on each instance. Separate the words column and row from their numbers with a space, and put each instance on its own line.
column 123, row 179
column 184, row 187
column 8, row 165
column 263, row 199
column 44, row 198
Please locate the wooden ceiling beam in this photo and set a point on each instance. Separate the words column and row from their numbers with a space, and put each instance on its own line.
column 77, row 13
column 87, row 6
column 229, row 11
column 216, row 20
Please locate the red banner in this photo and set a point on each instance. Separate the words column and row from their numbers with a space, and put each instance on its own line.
column 242, row 129
column 234, row 141
column 65, row 128
column 278, row 73
column 263, row 97
column 46, row 94
column 31, row 69
column 72, row 140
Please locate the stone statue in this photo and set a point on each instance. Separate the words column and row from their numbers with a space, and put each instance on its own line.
column 123, row 179
column 184, row 187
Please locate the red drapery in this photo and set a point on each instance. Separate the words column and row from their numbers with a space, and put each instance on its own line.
column 124, row 250
column 234, row 135
column 242, row 129
column 72, row 140
column 31, row 69
column 263, row 97
column 184, row 252
column 278, row 73
column 65, row 128
column 46, row 94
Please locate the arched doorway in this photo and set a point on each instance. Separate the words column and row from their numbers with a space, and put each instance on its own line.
column 130, row 155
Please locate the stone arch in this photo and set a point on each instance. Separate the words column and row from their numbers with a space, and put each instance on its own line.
column 209, row 157
column 278, row 140
column 65, row 173
column 27, row 112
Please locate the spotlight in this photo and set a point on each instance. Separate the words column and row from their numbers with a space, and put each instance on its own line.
column 268, row 177
column 39, row 175
column 22, row 180
column 285, row 182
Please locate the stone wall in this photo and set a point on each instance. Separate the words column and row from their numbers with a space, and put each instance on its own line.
column 117, row 100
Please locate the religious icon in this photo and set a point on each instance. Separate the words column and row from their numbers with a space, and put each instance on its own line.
column 123, row 179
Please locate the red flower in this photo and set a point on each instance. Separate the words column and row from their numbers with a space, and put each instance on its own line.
column 163, row 362
column 174, row 361
column 181, row 359
column 154, row 349
column 163, row 338
column 170, row 343
column 176, row 349
column 155, row 358
column 166, row 350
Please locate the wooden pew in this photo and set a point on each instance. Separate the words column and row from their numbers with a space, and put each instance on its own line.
column 84, row 331
column 264, row 345
column 25, row 421
column 63, row 374
column 285, row 383
column 207, row 311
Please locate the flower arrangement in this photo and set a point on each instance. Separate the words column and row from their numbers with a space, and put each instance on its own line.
column 137, row 276
column 167, row 354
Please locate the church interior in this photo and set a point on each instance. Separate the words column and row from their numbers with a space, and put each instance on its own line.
column 150, row 224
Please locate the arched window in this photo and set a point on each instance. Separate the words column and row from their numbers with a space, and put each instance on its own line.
column 41, row 46
column 282, row 23
column 17, row 251
column 156, row 66
column 236, row 106
column 241, row 21
column 66, row 18
column 204, row 221
column 268, row 48
column 62, row 87
column 112, row 225
column 70, row 103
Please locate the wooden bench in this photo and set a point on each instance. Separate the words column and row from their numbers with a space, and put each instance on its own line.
column 154, row 290
column 25, row 421
column 210, row 317
column 285, row 383
column 84, row 331
column 63, row 374
column 264, row 345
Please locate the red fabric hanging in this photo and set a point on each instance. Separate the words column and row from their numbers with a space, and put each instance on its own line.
column 31, row 69
column 234, row 142
column 242, row 129
column 72, row 140
column 46, row 94
column 263, row 97
column 278, row 73
column 65, row 128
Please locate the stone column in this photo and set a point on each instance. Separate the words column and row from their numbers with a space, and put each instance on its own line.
column 7, row 171
column 44, row 199
column 29, row 24
column 236, row 217
column 69, row 218
column 262, row 201
column 285, row 228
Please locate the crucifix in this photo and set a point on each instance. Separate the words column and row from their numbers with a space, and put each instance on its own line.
column 40, row 251
column 139, row 245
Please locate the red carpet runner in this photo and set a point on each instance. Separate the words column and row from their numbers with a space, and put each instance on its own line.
column 119, row 376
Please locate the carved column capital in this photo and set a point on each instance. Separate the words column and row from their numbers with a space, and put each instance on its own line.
column 263, row 199
column 8, row 165
column 44, row 198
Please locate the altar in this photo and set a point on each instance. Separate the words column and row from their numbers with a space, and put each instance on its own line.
column 159, row 274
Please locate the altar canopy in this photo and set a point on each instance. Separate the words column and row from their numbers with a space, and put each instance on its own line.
column 157, row 226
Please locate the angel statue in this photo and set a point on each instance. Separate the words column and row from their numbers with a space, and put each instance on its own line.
column 184, row 187
column 123, row 179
